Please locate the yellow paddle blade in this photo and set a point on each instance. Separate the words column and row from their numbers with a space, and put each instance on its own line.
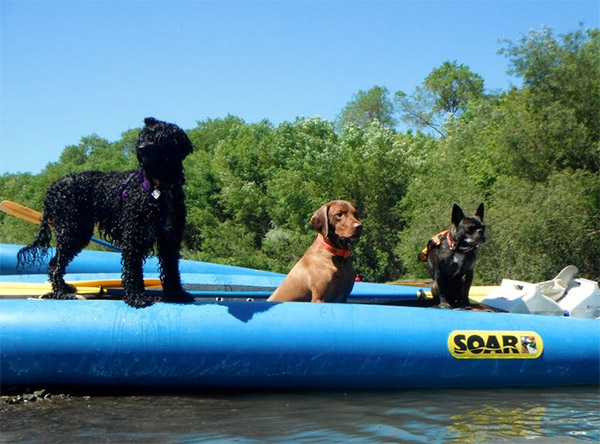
column 84, row 288
column 20, row 211
column 29, row 289
column 476, row 294
column 479, row 293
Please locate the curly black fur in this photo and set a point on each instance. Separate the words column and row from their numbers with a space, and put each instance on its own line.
column 133, row 209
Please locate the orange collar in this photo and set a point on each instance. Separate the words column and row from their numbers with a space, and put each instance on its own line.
column 448, row 239
column 333, row 250
column 457, row 248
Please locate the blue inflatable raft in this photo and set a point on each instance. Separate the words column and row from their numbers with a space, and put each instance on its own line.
column 292, row 345
column 105, row 343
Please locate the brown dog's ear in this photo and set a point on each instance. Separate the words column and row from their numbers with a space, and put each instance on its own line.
column 457, row 215
column 479, row 212
column 319, row 220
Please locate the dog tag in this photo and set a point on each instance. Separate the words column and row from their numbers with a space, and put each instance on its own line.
column 156, row 193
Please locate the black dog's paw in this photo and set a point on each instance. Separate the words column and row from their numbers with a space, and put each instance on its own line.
column 64, row 296
column 63, row 291
column 69, row 289
column 444, row 305
column 138, row 300
column 180, row 297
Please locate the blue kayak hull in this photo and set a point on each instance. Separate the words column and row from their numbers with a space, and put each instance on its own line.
column 291, row 345
column 195, row 275
column 89, row 261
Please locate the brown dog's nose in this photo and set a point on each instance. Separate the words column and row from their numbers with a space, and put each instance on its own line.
column 358, row 229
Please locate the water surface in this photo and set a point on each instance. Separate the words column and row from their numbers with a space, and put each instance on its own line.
column 419, row 416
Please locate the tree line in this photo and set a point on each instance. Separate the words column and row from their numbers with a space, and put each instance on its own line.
column 531, row 153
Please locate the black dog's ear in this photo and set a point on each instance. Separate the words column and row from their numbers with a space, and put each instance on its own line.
column 457, row 215
column 479, row 212
column 185, row 147
column 319, row 220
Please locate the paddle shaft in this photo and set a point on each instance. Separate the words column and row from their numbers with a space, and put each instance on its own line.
column 35, row 217
column 113, row 288
column 118, row 293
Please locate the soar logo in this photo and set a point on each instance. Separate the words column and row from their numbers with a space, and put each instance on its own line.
column 480, row 344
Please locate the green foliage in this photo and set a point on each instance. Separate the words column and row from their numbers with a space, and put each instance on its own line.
column 453, row 86
column 368, row 106
column 25, row 189
column 536, row 229
column 555, row 118
column 445, row 94
column 375, row 176
column 530, row 153
column 306, row 155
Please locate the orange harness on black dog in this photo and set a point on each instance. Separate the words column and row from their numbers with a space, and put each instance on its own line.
column 437, row 240
column 434, row 242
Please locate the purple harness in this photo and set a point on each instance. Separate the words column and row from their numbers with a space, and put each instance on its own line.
column 143, row 181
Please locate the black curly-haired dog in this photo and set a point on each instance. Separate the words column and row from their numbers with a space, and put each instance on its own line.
column 133, row 209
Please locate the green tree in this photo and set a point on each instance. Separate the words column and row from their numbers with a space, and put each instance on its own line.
column 366, row 107
column 556, row 121
column 225, row 187
column 26, row 189
column 445, row 93
column 374, row 174
column 531, row 156
column 306, row 155
column 536, row 229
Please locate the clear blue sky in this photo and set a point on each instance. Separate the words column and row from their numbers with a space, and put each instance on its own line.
column 74, row 68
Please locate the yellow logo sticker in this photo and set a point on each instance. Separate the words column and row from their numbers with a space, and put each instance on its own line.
column 482, row 344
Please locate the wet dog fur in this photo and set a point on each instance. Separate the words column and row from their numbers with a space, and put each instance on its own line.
column 133, row 209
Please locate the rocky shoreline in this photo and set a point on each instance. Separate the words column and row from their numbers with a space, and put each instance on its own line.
column 20, row 396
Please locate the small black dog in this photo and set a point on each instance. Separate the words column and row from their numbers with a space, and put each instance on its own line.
column 451, row 258
column 133, row 209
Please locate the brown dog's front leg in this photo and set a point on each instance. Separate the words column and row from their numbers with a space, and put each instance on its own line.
column 317, row 298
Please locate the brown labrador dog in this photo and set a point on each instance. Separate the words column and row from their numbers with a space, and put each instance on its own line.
column 325, row 272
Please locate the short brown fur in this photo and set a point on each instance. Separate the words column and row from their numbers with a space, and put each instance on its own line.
column 322, row 275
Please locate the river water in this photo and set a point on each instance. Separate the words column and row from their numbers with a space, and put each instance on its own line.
column 416, row 416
